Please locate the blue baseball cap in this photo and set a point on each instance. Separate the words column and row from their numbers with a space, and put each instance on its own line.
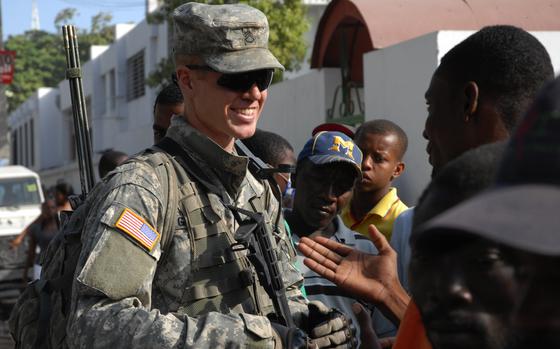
column 330, row 146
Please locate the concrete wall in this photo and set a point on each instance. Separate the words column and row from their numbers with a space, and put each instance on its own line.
column 294, row 107
column 395, row 80
column 48, row 144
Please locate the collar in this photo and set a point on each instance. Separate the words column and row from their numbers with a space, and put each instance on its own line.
column 230, row 167
column 385, row 204
column 342, row 233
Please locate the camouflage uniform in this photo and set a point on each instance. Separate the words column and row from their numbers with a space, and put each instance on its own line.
column 125, row 296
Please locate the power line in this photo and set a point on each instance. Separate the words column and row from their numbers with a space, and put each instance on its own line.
column 113, row 5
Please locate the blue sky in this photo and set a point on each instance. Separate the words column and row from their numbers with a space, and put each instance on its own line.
column 16, row 14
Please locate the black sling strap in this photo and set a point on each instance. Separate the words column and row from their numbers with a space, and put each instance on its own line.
column 207, row 180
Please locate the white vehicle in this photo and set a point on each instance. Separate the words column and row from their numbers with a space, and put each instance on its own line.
column 20, row 204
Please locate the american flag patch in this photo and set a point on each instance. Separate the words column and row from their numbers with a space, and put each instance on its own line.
column 137, row 228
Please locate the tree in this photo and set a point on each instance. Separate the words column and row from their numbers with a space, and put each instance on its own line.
column 287, row 20
column 40, row 60
column 65, row 16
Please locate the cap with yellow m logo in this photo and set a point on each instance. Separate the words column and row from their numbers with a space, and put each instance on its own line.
column 331, row 146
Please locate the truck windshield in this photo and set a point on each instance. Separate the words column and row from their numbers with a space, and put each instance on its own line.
column 19, row 191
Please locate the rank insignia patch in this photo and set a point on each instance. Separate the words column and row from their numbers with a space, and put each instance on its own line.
column 138, row 229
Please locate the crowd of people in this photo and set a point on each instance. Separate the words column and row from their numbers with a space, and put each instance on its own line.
column 472, row 265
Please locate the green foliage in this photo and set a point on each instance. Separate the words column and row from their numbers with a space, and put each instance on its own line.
column 287, row 20
column 40, row 59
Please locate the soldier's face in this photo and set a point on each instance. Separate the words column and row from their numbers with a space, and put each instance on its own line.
column 221, row 113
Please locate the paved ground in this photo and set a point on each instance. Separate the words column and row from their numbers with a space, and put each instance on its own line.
column 5, row 339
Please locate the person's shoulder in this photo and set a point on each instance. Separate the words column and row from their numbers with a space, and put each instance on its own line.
column 35, row 227
column 402, row 227
column 406, row 214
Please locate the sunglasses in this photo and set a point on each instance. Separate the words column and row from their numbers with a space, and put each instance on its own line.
column 240, row 82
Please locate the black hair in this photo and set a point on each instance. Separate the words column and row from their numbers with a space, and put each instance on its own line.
column 110, row 160
column 458, row 180
column 170, row 94
column 381, row 127
column 268, row 146
column 508, row 64
column 64, row 188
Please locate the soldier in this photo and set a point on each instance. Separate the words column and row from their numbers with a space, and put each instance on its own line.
column 197, row 291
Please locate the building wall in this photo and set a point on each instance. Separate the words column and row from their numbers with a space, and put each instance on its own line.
column 48, row 144
column 294, row 107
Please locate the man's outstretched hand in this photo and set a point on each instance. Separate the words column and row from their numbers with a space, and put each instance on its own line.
column 372, row 278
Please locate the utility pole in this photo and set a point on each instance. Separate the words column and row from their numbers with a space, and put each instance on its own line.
column 35, row 24
column 4, row 146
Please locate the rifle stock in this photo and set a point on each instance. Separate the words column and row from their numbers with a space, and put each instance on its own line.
column 81, row 126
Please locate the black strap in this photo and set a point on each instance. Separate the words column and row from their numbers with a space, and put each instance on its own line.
column 206, row 179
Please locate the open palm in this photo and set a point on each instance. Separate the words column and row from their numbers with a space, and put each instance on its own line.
column 372, row 278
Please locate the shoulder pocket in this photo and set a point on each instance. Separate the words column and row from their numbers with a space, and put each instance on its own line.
column 257, row 325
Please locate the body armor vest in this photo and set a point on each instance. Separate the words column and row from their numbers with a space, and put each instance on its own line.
column 220, row 279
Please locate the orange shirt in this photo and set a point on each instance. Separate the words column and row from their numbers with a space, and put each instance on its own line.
column 412, row 334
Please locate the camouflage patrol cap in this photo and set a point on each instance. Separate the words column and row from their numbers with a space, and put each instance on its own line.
column 229, row 38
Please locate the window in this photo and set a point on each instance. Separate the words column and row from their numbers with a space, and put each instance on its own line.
column 20, row 146
column 102, row 107
column 15, row 158
column 19, row 191
column 32, row 142
column 113, row 89
column 26, row 144
column 135, row 76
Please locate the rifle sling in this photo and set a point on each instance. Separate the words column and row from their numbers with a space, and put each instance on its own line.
column 209, row 181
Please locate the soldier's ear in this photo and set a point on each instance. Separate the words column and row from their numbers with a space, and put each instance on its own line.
column 184, row 79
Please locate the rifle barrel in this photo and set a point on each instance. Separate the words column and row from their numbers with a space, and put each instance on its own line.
column 79, row 112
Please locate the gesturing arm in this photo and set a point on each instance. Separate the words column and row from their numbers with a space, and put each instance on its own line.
column 372, row 278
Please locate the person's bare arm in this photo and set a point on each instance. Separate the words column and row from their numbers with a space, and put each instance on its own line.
column 30, row 258
column 372, row 278
column 15, row 243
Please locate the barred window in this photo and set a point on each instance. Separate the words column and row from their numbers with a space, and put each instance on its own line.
column 135, row 76
column 15, row 147
column 113, row 89
column 32, row 142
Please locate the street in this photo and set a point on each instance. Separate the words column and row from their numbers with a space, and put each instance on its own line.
column 6, row 341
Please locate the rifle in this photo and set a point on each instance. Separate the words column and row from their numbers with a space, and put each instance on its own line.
column 81, row 127
column 255, row 235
